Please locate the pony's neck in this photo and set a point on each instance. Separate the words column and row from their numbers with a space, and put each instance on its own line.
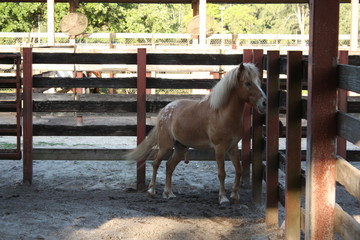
column 234, row 108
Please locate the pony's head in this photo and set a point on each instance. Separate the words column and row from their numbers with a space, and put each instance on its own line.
column 244, row 80
column 250, row 86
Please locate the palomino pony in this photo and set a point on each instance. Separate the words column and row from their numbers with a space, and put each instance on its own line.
column 213, row 122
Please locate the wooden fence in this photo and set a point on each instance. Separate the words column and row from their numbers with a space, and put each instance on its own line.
column 289, row 162
column 294, row 65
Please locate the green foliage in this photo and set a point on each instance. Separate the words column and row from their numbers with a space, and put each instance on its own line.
column 21, row 17
column 168, row 18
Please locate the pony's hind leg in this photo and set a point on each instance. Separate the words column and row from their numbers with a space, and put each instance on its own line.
column 159, row 157
column 235, row 158
column 176, row 157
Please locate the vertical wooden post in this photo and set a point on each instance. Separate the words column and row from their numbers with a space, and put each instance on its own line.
column 51, row 22
column 342, row 106
column 202, row 23
column 257, row 138
column 246, row 140
column 293, row 146
column 354, row 31
column 272, row 138
column 321, row 119
column 27, row 118
column 141, row 113
column 18, row 106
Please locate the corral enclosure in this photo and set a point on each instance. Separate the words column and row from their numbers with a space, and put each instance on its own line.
column 83, row 114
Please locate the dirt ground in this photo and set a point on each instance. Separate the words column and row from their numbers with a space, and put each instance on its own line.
column 98, row 200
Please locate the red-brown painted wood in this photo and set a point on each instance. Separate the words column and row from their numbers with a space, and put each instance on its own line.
column 342, row 106
column 246, row 140
column 27, row 117
column 141, row 113
column 257, row 138
column 293, row 146
column 272, row 139
column 321, row 119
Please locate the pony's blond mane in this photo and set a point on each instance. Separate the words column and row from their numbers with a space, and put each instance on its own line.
column 222, row 89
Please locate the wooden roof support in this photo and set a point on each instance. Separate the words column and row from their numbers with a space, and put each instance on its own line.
column 51, row 22
column 321, row 117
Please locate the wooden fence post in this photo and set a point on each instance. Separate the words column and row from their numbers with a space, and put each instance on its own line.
column 342, row 106
column 246, row 140
column 272, row 138
column 257, row 138
column 293, row 145
column 27, row 117
column 321, row 120
column 141, row 113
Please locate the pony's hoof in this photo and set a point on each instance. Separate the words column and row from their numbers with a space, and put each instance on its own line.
column 151, row 193
column 223, row 200
column 168, row 195
column 235, row 198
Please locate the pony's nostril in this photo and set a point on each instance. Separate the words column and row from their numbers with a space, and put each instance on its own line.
column 264, row 104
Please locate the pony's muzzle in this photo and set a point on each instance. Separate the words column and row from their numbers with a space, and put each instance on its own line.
column 261, row 105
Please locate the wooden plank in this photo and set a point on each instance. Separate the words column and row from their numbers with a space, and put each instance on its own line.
column 293, row 146
column 257, row 139
column 353, row 106
column 8, row 82
column 84, row 106
column 106, row 154
column 130, row 82
column 342, row 106
column 162, row 83
column 348, row 176
column 107, row 97
column 27, row 116
column 272, row 140
column 85, row 130
column 128, row 58
column 8, row 130
column 78, row 154
column 193, row 59
column 8, row 106
column 47, row 82
column 348, row 76
column 348, row 127
column 84, row 58
column 141, row 113
column 345, row 225
column 246, row 140
column 321, row 120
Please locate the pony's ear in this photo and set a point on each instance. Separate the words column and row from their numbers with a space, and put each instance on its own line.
column 241, row 67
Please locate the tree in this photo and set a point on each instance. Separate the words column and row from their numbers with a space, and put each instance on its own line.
column 21, row 17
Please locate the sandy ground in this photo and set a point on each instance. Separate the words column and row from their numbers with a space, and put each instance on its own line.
column 98, row 200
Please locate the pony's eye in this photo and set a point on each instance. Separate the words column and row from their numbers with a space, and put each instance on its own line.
column 247, row 84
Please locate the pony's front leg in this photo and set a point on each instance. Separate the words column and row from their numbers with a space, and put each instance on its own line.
column 220, row 159
column 235, row 158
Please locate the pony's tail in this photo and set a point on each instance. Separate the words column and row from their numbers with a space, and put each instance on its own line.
column 145, row 147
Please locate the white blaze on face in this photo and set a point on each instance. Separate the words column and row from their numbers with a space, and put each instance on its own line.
column 261, row 103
